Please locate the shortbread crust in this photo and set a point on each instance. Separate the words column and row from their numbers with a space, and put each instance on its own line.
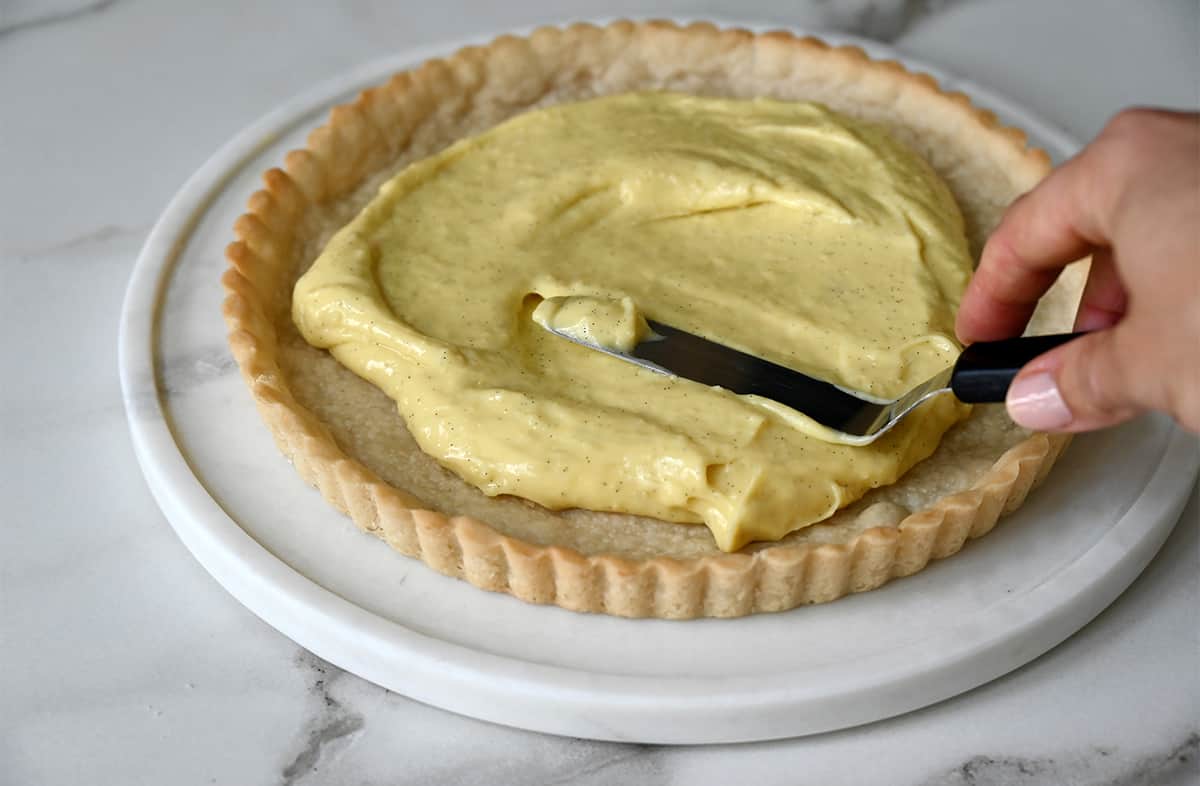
column 345, row 437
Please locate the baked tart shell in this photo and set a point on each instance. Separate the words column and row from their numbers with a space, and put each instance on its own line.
column 418, row 112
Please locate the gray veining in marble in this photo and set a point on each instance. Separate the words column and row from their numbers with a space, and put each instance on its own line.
column 882, row 21
column 24, row 15
column 1174, row 765
column 89, row 240
column 186, row 373
column 329, row 724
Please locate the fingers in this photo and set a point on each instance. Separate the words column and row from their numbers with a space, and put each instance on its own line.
column 1090, row 383
column 1130, row 200
column 1001, row 296
column 1058, row 222
column 1083, row 385
column 1104, row 296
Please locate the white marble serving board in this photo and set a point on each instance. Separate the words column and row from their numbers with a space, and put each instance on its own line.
column 284, row 553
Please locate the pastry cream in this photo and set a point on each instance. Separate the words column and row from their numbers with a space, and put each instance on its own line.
column 782, row 229
column 616, row 325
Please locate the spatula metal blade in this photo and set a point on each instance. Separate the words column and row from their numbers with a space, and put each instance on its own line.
column 707, row 362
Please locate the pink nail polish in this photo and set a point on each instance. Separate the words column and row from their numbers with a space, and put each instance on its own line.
column 1035, row 403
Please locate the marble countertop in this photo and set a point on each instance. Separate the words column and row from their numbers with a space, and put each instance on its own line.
column 124, row 663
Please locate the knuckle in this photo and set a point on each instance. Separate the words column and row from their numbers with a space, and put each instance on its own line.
column 1131, row 121
column 1182, row 400
column 1188, row 416
column 1116, row 163
column 1139, row 134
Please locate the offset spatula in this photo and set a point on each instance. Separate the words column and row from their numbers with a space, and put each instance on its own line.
column 981, row 375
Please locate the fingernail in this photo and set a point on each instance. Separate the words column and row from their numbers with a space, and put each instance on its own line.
column 1035, row 403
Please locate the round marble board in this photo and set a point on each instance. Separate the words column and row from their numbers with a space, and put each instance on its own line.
column 282, row 551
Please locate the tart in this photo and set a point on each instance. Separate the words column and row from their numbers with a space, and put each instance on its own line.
column 345, row 437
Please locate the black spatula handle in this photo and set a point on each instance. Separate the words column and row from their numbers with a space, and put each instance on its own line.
column 986, row 368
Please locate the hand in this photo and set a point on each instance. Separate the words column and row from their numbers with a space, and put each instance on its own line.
column 1131, row 199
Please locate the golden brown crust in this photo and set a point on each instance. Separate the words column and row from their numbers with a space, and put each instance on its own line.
column 416, row 111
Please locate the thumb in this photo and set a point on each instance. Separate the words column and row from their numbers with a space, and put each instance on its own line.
column 1086, row 384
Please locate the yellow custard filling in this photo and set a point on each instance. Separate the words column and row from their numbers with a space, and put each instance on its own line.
column 782, row 229
column 616, row 325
